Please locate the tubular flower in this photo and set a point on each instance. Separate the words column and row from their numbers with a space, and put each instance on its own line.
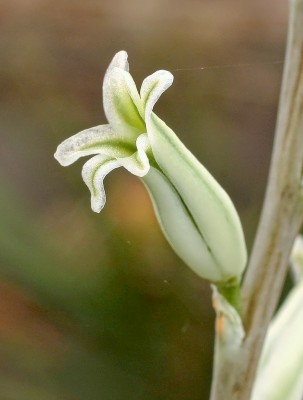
column 280, row 371
column 195, row 213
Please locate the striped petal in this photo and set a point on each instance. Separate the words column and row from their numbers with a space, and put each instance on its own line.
column 211, row 242
column 138, row 163
column 208, row 204
column 152, row 88
column 95, row 170
column 93, row 173
column 222, row 257
column 121, row 101
column 179, row 227
column 98, row 140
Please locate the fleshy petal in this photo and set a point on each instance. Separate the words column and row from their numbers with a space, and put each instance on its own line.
column 133, row 92
column 98, row 140
column 119, row 61
column 209, row 205
column 121, row 107
column 138, row 163
column 95, row 170
column 152, row 88
column 178, row 226
column 93, row 173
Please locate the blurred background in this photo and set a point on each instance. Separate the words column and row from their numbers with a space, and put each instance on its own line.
column 98, row 306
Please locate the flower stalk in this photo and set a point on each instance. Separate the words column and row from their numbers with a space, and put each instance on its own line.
column 281, row 219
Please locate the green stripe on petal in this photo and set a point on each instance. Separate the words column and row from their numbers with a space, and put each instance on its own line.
column 207, row 202
column 100, row 139
column 121, row 109
column 138, row 163
column 208, row 236
column 133, row 92
column 93, row 173
column 178, row 226
column 152, row 88
column 95, row 170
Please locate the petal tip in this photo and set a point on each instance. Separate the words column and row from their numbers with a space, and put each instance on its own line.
column 59, row 156
column 120, row 61
column 152, row 88
column 167, row 74
column 96, row 207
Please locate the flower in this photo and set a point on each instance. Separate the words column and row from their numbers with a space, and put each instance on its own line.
column 195, row 213
column 280, row 371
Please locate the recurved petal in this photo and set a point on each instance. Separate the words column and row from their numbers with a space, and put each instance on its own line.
column 207, row 202
column 95, row 170
column 138, row 163
column 93, row 173
column 100, row 139
column 152, row 88
column 121, row 101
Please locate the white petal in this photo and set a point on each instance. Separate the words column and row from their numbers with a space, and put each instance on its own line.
column 138, row 163
column 93, row 172
column 209, row 205
column 121, row 101
column 280, row 373
column 119, row 61
column 178, row 226
column 133, row 92
column 152, row 88
column 100, row 139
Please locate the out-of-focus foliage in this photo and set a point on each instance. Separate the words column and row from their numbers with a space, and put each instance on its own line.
column 98, row 307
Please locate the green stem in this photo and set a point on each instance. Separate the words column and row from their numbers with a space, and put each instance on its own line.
column 232, row 294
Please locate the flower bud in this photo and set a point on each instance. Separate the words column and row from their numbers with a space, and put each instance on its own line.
column 195, row 213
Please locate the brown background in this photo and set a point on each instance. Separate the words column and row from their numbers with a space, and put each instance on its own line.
column 98, row 306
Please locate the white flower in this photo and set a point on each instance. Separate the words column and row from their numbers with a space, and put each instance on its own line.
column 195, row 213
column 280, row 373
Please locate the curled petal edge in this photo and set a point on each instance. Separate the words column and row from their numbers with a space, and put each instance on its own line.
column 97, row 140
column 95, row 170
column 93, row 173
column 152, row 88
